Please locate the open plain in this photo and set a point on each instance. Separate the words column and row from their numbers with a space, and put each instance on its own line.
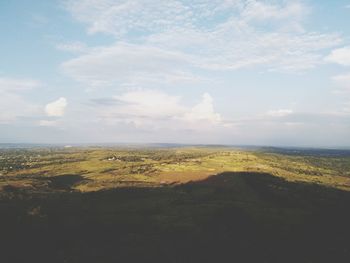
column 174, row 204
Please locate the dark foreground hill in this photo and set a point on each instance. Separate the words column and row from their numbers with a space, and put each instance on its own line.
column 230, row 217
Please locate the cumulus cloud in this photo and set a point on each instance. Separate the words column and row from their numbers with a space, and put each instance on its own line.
column 56, row 108
column 203, row 111
column 154, row 109
column 340, row 56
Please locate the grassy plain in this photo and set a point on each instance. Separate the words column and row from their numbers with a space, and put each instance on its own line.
column 185, row 204
column 105, row 168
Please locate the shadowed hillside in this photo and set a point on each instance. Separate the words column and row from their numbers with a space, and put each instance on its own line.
column 230, row 217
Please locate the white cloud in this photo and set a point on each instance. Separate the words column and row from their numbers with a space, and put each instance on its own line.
column 48, row 123
column 343, row 81
column 149, row 104
column 279, row 113
column 346, row 108
column 56, row 108
column 122, row 17
column 15, row 84
column 260, row 11
column 153, row 109
column 75, row 46
column 167, row 41
column 177, row 57
column 125, row 17
column 203, row 111
column 340, row 56
column 13, row 105
column 125, row 63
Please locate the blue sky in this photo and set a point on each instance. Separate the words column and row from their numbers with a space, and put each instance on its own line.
column 269, row 72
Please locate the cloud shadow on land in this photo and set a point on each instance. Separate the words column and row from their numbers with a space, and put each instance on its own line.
column 229, row 217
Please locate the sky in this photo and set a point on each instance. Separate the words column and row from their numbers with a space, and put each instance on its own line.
column 238, row 72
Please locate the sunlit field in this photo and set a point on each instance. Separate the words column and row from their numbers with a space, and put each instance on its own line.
column 92, row 169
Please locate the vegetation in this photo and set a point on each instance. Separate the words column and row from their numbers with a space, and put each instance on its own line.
column 185, row 204
column 101, row 168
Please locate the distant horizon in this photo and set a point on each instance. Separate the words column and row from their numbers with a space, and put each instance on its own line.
column 167, row 144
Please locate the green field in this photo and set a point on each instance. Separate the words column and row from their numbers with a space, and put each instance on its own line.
column 93, row 169
column 181, row 204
